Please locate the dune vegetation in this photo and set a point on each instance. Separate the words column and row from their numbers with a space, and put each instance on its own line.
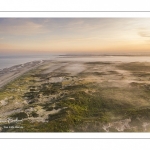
column 91, row 97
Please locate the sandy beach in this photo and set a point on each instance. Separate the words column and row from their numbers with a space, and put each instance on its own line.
column 9, row 74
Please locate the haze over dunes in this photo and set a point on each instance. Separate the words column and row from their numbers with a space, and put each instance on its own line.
column 74, row 35
column 74, row 75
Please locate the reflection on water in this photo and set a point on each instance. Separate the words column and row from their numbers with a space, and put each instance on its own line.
column 9, row 61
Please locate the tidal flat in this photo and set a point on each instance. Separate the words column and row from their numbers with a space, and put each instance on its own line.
column 74, row 96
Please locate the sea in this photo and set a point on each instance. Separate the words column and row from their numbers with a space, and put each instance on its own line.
column 7, row 61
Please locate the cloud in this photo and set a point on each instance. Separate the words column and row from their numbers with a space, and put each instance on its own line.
column 144, row 33
column 21, row 27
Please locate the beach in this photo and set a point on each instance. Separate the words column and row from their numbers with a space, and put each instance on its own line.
column 9, row 74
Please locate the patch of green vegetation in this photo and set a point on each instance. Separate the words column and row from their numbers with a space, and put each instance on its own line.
column 50, row 88
column 57, row 107
column 49, row 109
column 75, row 87
column 40, row 75
column 52, row 126
column 34, row 114
column 20, row 115
column 85, row 108
column 60, row 74
column 61, row 114
column 144, row 86
column 93, row 73
column 135, row 66
column 139, row 113
column 17, row 87
column 31, row 95
column 46, row 105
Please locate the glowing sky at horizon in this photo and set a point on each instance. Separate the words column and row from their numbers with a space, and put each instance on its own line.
column 74, row 35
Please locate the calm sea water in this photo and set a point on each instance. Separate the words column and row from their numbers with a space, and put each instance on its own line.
column 8, row 61
column 11, row 60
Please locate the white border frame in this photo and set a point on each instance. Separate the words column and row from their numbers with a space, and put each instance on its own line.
column 73, row 14
column 76, row 135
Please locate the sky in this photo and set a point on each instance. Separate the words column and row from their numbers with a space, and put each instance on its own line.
column 67, row 35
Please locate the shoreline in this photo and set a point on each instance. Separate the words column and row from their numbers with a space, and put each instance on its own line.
column 9, row 74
